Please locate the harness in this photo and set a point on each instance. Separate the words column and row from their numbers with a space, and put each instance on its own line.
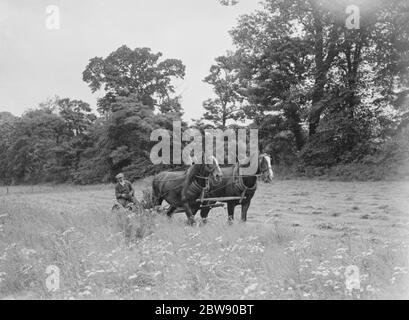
column 194, row 187
column 197, row 188
column 239, row 184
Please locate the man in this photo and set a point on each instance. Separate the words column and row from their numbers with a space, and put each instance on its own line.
column 124, row 192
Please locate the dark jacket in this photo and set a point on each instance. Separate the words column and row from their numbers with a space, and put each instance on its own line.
column 126, row 189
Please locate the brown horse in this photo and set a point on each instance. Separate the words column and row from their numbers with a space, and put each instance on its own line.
column 235, row 185
column 181, row 189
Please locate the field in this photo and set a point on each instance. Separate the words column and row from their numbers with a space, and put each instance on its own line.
column 300, row 241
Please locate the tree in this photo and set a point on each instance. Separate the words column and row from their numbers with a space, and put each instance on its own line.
column 7, row 123
column 224, row 80
column 137, row 72
column 121, row 141
column 298, row 60
column 139, row 97
column 311, row 34
column 77, row 114
column 44, row 144
column 35, row 134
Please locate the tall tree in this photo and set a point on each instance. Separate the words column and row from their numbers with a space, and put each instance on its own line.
column 139, row 72
column 77, row 115
column 44, row 144
column 225, row 82
column 299, row 60
column 328, row 48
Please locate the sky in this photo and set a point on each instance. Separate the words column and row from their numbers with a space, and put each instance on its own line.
column 37, row 63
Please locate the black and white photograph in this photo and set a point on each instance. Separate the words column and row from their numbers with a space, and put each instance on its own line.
column 215, row 152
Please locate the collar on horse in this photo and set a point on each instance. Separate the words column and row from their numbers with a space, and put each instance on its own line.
column 238, row 178
column 195, row 187
column 239, row 184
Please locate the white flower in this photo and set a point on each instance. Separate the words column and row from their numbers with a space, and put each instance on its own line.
column 251, row 287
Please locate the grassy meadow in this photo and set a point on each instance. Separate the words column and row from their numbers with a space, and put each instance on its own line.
column 300, row 238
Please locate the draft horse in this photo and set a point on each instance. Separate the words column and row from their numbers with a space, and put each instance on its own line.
column 243, row 187
column 183, row 188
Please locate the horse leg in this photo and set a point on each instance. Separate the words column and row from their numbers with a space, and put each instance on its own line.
column 230, row 211
column 158, row 201
column 204, row 213
column 170, row 211
column 244, row 207
column 156, row 194
column 189, row 213
column 195, row 209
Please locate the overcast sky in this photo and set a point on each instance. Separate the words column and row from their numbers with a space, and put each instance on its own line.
column 37, row 63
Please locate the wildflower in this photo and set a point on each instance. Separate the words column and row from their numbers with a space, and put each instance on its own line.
column 85, row 293
column 194, row 235
column 108, row 291
column 251, row 287
column 70, row 230
column 364, row 276
column 27, row 252
column 89, row 274
column 369, row 288
column 400, row 270
column 368, row 253
column 329, row 282
column 336, row 273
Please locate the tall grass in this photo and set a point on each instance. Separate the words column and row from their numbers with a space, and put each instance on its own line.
column 165, row 259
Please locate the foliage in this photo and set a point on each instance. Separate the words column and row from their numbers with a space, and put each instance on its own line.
column 63, row 140
column 45, row 144
column 137, row 72
column 334, row 89
column 225, row 106
column 322, row 95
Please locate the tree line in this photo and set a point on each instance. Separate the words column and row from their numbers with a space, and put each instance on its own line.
column 320, row 94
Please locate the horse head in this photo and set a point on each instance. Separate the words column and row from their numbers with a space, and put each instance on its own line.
column 264, row 166
column 205, row 168
column 211, row 167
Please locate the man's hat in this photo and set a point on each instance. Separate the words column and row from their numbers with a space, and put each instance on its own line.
column 119, row 175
